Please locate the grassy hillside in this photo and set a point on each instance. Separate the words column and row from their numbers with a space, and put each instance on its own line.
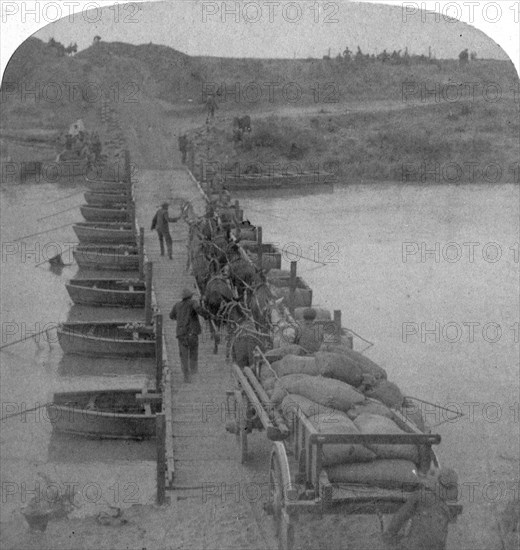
column 72, row 87
column 348, row 116
column 408, row 144
column 324, row 81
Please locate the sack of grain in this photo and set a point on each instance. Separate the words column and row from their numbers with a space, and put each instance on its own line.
column 269, row 384
column 277, row 353
column 364, row 363
column 370, row 406
column 342, row 452
column 294, row 364
column 281, row 388
column 293, row 403
column 387, row 474
column 388, row 393
column 325, row 391
column 334, row 365
column 321, row 314
column 266, row 371
column 375, row 424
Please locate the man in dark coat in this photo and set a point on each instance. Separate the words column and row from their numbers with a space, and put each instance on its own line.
column 160, row 223
column 186, row 313
column 309, row 337
column 183, row 147
column 211, row 106
column 429, row 515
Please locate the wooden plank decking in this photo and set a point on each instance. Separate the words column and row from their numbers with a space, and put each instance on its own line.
column 207, row 469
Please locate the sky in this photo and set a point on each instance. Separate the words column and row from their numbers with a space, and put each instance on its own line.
column 264, row 28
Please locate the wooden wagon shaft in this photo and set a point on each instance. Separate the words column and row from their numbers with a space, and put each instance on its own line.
column 278, row 419
column 148, row 397
column 120, row 323
column 354, row 504
column 379, row 439
column 273, row 433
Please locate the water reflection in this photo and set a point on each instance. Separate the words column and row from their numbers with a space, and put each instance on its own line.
column 79, row 365
column 66, row 448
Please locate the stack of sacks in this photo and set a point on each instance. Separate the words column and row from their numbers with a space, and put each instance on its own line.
column 376, row 384
column 290, row 357
column 363, row 363
column 353, row 369
column 329, row 365
column 293, row 403
column 341, row 453
column 374, row 424
column 330, row 389
column 293, row 364
column 387, row 473
column 370, row 406
column 323, row 391
column 386, row 392
column 268, row 378
column 339, row 367
column 278, row 353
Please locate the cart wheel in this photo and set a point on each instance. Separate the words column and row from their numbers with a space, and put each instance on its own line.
column 284, row 528
column 241, row 424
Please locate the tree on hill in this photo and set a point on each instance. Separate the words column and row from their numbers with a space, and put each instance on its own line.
column 71, row 48
column 97, row 39
column 58, row 47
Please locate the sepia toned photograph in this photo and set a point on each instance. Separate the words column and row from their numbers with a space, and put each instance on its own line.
column 260, row 281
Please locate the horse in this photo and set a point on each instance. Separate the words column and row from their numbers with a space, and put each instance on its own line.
column 217, row 293
column 261, row 303
column 243, row 337
column 203, row 269
column 217, row 248
column 244, row 275
column 245, row 231
column 241, row 125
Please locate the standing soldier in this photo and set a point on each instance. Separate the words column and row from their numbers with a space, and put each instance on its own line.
column 211, row 106
column 160, row 224
column 183, row 147
column 96, row 146
column 186, row 313
column 309, row 337
column 429, row 514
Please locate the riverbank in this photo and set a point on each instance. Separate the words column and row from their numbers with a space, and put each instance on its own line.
column 408, row 142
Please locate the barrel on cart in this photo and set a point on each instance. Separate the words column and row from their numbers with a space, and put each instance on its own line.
column 298, row 482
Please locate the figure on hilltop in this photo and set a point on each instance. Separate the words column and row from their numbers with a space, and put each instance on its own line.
column 463, row 57
column 183, row 147
column 211, row 106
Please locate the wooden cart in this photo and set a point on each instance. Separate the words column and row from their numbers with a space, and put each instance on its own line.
column 297, row 481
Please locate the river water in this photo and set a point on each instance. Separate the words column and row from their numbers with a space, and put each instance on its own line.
column 34, row 461
column 442, row 315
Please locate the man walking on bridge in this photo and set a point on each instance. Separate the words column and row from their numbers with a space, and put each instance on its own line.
column 186, row 313
column 160, row 223
column 183, row 147
column 211, row 106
